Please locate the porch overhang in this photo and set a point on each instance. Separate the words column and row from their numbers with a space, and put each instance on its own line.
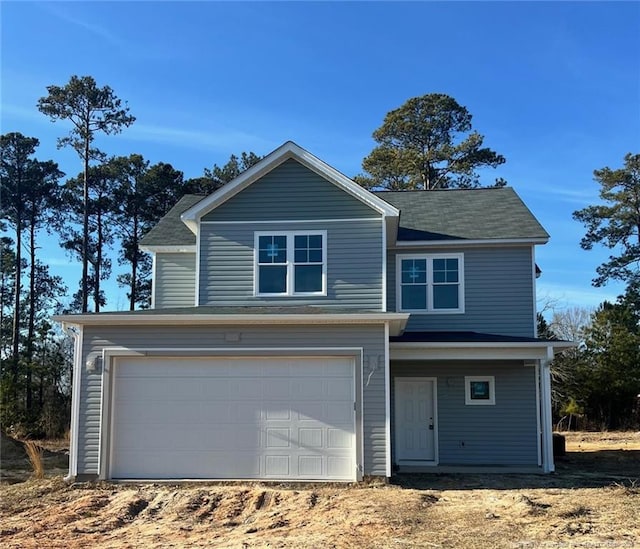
column 472, row 346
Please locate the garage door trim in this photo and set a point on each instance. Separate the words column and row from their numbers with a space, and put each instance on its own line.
column 111, row 353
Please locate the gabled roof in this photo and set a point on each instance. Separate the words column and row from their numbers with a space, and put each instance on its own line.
column 430, row 217
column 464, row 214
column 170, row 230
column 288, row 150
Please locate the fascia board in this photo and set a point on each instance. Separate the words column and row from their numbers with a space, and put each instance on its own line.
column 397, row 321
column 288, row 150
column 465, row 242
column 189, row 248
column 481, row 350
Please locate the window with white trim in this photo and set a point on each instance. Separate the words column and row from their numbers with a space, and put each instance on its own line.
column 479, row 390
column 430, row 283
column 290, row 263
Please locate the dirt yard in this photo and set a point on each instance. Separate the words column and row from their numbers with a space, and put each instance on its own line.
column 593, row 500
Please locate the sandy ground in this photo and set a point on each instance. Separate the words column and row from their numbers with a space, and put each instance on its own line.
column 593, row 500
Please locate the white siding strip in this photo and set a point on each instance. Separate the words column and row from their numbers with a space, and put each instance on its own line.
column 153, row 280
column 533, row 286
column 387, row 403
column 197, row 285
column 75, row 402
column 384, row 266
column 547, row 428
column 538, row 412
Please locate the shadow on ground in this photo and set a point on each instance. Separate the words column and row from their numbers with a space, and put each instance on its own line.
column 574, row 470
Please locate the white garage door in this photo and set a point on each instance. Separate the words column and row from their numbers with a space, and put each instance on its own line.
column 236, row 418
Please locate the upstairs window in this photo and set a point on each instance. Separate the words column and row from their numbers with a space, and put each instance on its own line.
column 430, row 283
column 292, row 263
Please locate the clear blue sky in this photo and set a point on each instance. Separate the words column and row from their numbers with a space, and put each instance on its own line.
column 554, row 87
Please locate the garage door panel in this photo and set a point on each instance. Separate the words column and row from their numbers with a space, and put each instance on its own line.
column 278, row 412
column 233, row 418
column 338, row 390
column 310, row 438
column 278, row 438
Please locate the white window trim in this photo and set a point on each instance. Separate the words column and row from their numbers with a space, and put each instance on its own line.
column 430, row 257
column 290, row 264
column 480, row 402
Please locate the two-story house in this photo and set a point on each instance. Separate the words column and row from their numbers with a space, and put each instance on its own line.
column 304, row 328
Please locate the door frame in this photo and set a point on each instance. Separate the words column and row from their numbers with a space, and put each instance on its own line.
column 434, row 396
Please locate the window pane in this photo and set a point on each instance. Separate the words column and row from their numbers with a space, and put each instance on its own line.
column 301, row 256
column 272, row 279
column 480, row 390
column 301, row 241
column 445, row 270
column 414, row 271
column 315, row 256
column 272, row 249
column 315, row 241
column 414, row 297
column 308, row 278
column 445, row 297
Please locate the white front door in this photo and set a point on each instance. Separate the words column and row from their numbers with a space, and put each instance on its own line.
column 415, row 420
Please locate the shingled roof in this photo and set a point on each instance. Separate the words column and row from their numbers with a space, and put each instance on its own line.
column 170, row 230
column 452, row 214
column 463, row 214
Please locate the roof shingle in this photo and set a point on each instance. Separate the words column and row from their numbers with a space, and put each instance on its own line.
column 170, row 230
column 469, row 214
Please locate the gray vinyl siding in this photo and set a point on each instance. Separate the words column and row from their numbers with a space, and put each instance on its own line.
column 370, row 338
column 503, row 434
column 354, row 264
column 499, row 297
column 290, row 191
column 175, row 280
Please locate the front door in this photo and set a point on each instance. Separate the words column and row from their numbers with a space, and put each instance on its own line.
column 415, row 420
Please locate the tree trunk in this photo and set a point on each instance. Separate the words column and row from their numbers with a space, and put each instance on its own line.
column 15, row 334
column 32, row 307
column 134, row 265
column 85, row 224
column 98, row 265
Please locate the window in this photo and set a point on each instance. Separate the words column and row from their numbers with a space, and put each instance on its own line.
column 479, row 390
column 431, row 283
column 292, row 263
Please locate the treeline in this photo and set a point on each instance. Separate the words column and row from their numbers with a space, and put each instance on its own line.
column 597, row 384
column 108, row 206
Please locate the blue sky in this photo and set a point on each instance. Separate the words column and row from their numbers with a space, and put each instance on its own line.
column 554, row 87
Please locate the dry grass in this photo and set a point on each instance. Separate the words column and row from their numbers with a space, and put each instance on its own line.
column 35, row 453
column 592, row 501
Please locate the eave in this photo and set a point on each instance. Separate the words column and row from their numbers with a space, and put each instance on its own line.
column 188, row 248
column 441, row 350
column 396, row 321
column 462, row 242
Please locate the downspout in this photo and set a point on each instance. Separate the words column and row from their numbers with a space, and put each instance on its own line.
column 76, row 333
column 548, row 465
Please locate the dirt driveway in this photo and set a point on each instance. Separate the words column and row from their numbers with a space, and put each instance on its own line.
column 592, row 501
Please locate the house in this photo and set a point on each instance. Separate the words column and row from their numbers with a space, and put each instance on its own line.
column 304, row 328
